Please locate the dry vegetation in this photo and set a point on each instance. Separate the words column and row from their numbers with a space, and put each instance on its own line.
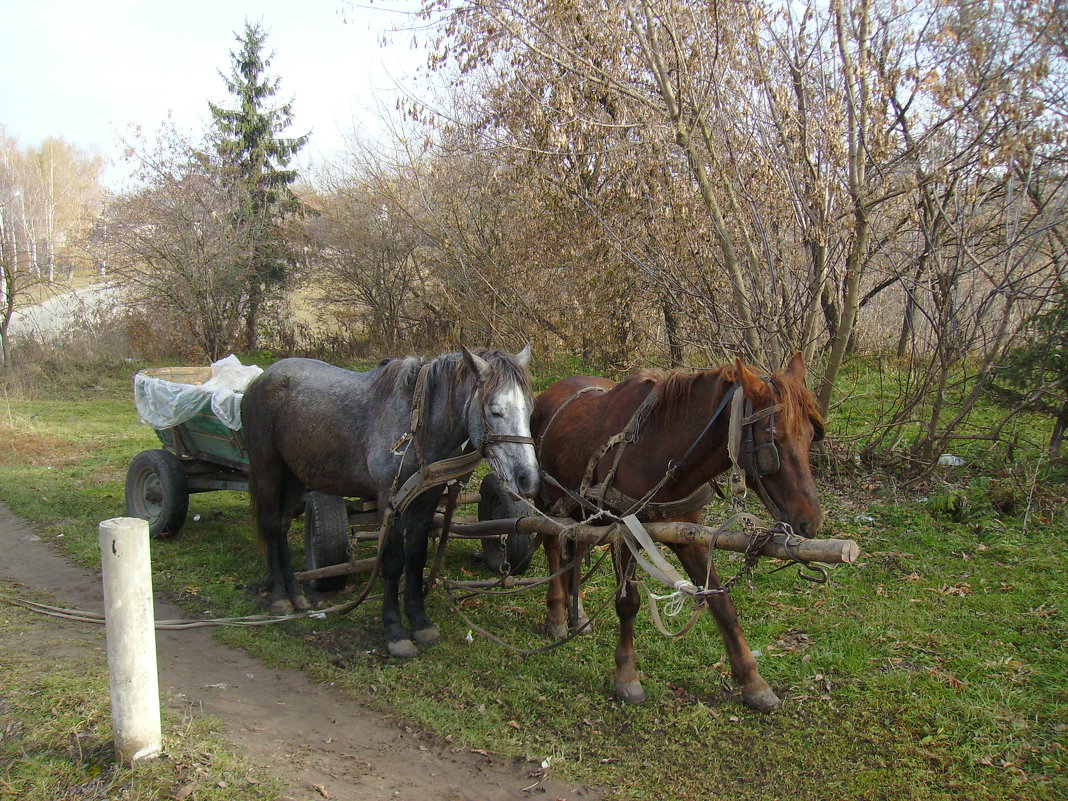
column 660, row 183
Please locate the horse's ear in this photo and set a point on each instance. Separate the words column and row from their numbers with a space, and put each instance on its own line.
column 479, row 366
column 753, row 386
column 795, row 368
column 523, row 357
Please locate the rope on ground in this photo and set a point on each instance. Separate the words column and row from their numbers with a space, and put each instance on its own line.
column 245, row 621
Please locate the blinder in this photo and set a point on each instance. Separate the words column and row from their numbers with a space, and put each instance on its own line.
column 765, row 459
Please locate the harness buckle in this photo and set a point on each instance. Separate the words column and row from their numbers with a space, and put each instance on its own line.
column 401, row 443
column 736, row 482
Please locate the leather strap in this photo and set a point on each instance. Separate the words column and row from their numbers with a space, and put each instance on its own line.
column 434, row 475
column 560, row 408
column 650, row 512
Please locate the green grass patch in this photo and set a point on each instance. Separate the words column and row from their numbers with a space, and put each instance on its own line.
column 933, row 669
column 56, row 736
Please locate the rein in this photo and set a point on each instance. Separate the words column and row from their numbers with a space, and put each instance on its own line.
column 763, row 460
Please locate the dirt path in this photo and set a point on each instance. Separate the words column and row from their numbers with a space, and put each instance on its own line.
column 302, row 732
column 51, row 316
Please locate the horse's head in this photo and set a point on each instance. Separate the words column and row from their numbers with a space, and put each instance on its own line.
column 498, row 416
column 774, row 447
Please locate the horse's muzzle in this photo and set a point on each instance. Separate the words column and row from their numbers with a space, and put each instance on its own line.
column 526, row 481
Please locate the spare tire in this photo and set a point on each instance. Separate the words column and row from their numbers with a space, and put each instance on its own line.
column 326, row 537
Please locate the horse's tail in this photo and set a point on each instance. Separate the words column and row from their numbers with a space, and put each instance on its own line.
column 254, row 509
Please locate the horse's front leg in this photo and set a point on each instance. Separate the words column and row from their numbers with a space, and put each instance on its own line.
column 397, row 641
column 416, row 541
column 556, row 595
column 628, row 601
column 756, row 693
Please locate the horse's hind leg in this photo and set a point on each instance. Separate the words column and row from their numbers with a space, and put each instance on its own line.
column 756, row 692
column 272, row 501
column 555, row 596
column 577, row 619
column 563, row 598
column 292, row 498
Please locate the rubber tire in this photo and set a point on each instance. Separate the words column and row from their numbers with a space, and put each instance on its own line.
column 326, row 537
column 156, row 491
column 518, row 549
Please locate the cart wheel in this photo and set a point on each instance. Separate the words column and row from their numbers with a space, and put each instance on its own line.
column 326, row 537
column 156, row 492
column 518, row 549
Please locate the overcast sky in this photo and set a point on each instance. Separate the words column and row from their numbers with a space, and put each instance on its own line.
column 86, row 70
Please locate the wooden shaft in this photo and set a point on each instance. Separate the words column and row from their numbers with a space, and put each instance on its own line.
column 342, row 569
column 831, row 551
column 507, row 584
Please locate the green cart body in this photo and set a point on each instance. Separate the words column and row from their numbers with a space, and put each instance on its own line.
column 203, row 454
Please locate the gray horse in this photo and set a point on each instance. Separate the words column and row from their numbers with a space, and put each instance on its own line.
column 312, row 426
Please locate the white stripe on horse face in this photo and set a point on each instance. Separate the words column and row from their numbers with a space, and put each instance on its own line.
column 508, row 412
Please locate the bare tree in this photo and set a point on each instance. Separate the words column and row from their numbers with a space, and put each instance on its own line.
column 175, row 246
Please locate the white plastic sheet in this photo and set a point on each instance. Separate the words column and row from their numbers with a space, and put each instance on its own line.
column 163, row 404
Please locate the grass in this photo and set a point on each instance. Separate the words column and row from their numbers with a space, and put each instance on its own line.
column 933, row 669
column 55, row 728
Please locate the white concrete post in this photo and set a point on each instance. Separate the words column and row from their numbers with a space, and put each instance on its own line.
column 131, row 636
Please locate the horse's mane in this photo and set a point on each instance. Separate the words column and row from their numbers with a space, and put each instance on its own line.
column 450, row 370
column 677, row 388
column 394, row 373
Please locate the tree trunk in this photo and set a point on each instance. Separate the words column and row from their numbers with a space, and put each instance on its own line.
column 671, row 327
column 1059, row 426
column 856, row 94
column 674, row 105
column 252, row 322
column 907, row 322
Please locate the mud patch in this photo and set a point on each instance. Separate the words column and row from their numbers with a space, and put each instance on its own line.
column 38, row 450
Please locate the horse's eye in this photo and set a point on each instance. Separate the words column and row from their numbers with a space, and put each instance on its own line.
column 496, row 411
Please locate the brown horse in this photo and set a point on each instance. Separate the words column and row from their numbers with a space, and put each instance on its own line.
column 676, row 421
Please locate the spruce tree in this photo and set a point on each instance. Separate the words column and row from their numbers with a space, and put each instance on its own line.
column 249, row 139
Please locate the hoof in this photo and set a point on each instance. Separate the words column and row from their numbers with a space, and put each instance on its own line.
column 300, row 603
column 402, row 649
column 764, row 700
column 583, row 625
column 556, row 631
column 630, row 692
column 280, row 606
column 427, row 636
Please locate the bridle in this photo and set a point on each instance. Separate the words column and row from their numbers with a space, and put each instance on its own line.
column 419, row 413
column 489, row 436
column 764, row 459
